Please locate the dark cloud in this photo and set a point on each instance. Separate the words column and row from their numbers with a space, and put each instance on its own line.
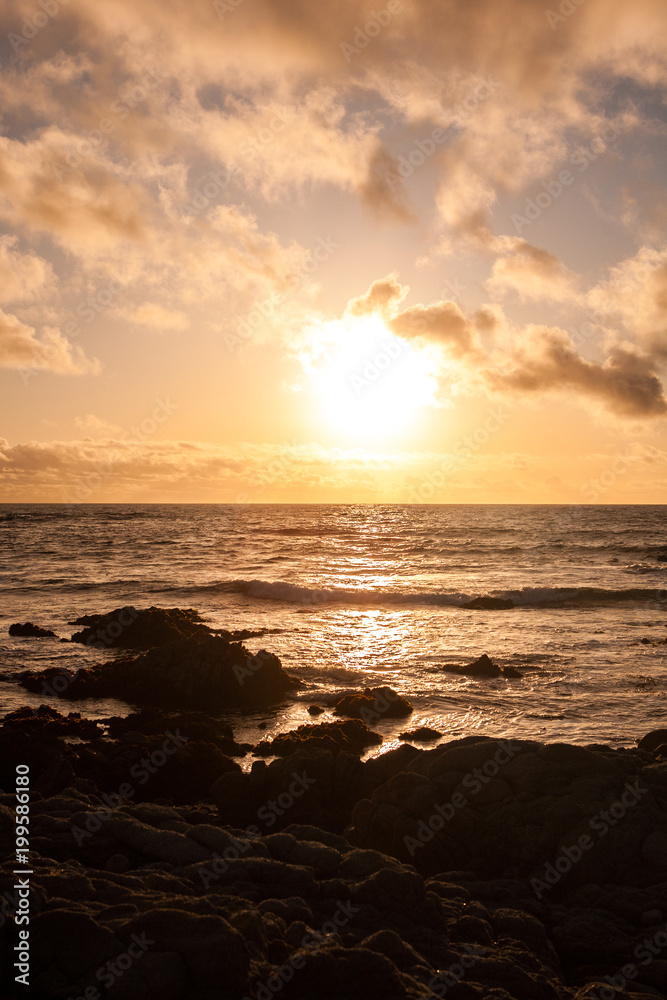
column 626, row 383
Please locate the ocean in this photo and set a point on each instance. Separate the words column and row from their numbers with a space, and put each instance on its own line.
column 364, row 595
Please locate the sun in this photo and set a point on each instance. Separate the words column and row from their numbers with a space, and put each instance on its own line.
column 370, row 384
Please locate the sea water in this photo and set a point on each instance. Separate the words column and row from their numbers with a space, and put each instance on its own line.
column 367, row 595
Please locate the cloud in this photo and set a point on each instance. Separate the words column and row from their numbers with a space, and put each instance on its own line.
column 625, row 384
column 532, row 273
column 442, row 323
column 635, row 294
column 126, row 469
column 128, row 466
column 533, row 361
column 96, row 427
column 89, row 208
column 380, row 190
column 23, row 276
column 266, row 88
column 153, row 315
column 20, row 348
column 383, row 297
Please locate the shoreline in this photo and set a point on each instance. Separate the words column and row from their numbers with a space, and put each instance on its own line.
column 148, row 861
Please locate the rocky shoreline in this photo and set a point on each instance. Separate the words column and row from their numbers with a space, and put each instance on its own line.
column 481, row 868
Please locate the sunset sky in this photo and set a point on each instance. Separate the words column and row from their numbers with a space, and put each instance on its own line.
column 280, row 250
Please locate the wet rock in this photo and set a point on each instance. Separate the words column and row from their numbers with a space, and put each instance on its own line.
column 655, row 742
column 28, row 630
column 315, row 710
column 49, row 683
column 511, row 673
column 48, row 720
column 483, row 667
column 489, row 604
column 422, row 735
column 131, row 628
column 373, row 704
column 202, row 672
column 351, row 736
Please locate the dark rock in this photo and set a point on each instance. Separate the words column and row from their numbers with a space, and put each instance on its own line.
column 455, row 808
column 383, row 767
column 166, row 766
column 489, row 604
column 512, row 673
column 198, row 726
column 351, row 735
column 315, row 710
column 130, row 628
column 373, row 704
column 228, row 909
column 202, row 672
column 49, row 683
column 324, row 788
column 71, row 942
column 422, row 735
column 48, row 720
column 483, row 667
column 133, row 629
column 355, row 973
column 212, row 951
column 162, row 974
column 43, row 753
column 118, row 863
column 28, row 630
column 653, row 741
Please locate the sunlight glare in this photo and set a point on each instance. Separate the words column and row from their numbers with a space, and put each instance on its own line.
column 370, row 384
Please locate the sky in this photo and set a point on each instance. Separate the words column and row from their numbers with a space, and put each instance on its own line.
column 280, row 251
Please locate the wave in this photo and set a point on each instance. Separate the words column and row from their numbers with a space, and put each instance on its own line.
column 538, row 597
column 640, row 568
column 64, row 586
